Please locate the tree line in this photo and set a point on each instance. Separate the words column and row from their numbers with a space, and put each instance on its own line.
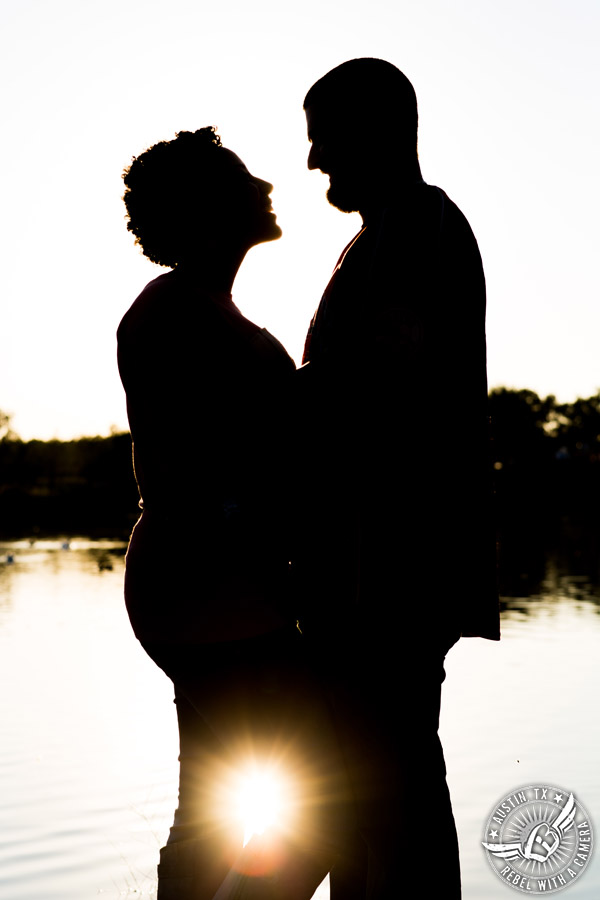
column 83, row 486
column 545, row 457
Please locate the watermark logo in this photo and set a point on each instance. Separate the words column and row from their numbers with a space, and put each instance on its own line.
column 539, row 839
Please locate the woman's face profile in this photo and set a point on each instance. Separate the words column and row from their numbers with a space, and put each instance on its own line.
column 247, row 205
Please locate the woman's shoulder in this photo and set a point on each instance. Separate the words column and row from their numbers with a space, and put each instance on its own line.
column 270, row 350
column 168, row 306
column 148, row 305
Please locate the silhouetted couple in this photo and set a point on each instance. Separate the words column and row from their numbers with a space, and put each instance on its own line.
column 367, row 468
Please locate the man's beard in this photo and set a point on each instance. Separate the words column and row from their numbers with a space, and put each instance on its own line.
column 343, row 195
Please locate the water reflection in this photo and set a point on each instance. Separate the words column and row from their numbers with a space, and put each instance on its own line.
column 88, row 759
column 531, row 563
column 87, row 763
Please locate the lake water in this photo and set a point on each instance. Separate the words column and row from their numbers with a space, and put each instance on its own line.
column 88, row 757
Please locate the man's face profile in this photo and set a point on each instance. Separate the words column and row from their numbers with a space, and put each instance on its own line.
column 335, row 152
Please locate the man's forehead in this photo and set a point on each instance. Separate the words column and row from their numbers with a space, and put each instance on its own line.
column 313, row 118
column 324, row 119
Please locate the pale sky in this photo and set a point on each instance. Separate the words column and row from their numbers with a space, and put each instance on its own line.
column 509, row 127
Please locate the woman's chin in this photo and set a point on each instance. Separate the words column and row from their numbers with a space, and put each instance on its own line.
column 271, row 232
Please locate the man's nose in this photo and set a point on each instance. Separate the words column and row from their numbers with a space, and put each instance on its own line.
column 314, row 157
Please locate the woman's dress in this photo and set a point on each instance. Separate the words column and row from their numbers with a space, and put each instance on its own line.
column 206, row 570
column 206, row 399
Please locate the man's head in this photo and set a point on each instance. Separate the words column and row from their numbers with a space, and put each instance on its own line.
column 362, row 124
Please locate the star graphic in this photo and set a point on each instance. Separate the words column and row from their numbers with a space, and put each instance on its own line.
column 493, row 834
column 558, row 798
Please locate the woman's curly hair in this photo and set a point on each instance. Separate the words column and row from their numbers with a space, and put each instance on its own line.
column 169, row 188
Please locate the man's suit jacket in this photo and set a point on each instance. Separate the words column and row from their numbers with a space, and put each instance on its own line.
column 397, row 531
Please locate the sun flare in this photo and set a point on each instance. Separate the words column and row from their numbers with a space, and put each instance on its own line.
column 261, row 799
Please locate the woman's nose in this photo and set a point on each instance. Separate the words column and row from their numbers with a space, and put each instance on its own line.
column 265, row 186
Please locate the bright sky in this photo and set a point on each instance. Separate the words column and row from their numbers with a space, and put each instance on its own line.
column 509, row 127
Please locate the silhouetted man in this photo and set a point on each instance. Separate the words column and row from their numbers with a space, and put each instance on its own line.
column 398, row 554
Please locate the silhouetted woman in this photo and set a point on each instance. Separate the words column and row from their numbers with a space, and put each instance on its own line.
column 207, row 561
